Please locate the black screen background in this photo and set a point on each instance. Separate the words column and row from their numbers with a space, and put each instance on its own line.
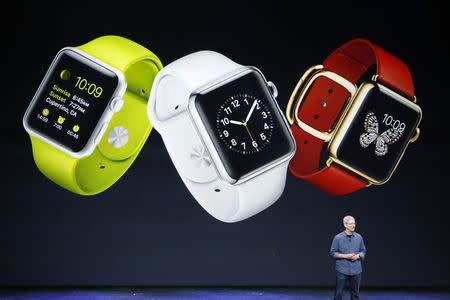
column 236, row 164
column 364, row 159
column 88, row 120
column 148, row 230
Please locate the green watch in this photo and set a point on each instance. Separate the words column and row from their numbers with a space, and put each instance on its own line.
column 88, row 119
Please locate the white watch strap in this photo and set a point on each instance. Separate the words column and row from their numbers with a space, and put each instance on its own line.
column 168, row 112
column 232, row 203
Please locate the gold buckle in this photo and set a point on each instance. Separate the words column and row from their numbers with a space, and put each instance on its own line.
column 299, row 93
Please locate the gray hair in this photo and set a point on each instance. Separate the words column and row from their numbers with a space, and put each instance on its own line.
column 347, row 218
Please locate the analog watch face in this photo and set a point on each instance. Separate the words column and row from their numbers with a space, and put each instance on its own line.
column 245, row 125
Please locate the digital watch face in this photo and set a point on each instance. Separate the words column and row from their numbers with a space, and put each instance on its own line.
column 71, row 100
column 379, row 133
column 246, row 127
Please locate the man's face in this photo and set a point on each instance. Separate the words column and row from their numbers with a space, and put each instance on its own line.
column 350, row 225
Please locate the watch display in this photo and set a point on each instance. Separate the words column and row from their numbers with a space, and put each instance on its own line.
column 245, row 125
column 71, row 100
column 379, row 133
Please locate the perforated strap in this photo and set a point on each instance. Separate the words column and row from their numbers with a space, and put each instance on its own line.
column 351, row 61
column 168, row 111
column 95, row 173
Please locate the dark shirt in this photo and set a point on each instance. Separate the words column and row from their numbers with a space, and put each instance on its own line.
column 344, row 244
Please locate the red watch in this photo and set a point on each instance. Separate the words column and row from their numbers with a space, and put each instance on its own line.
column 360, row 103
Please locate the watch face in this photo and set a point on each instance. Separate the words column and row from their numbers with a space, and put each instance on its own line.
column 379, row 133
column 246, row 127
column 71, row 100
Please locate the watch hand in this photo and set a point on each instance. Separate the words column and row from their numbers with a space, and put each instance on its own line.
column 251, row 137
column 250, row 112
column 236, row 122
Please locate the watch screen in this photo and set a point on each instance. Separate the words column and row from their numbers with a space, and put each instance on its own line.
column 245, row 125
column 379, row 134
column 71, row 100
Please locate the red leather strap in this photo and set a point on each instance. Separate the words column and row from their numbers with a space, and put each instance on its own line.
column 351, row 61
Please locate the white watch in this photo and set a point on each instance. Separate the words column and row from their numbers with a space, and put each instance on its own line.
column 224, row 132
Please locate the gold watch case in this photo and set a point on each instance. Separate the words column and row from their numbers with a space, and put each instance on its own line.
column 347, row 115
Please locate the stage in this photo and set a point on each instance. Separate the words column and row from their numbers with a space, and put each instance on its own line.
column 214, row 293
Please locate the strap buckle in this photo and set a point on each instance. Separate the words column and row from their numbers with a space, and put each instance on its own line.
column 299, row 94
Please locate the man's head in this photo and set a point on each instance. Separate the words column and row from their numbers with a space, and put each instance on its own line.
column 349, row 223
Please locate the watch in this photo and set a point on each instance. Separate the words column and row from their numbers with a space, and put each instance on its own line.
column 87, row 121
column 224, row 132
column 360, row 104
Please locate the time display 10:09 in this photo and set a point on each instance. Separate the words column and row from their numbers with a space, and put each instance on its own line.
column 395, row 124
column 91, row 88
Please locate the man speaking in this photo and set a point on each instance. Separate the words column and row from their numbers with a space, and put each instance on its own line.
column 348, row 250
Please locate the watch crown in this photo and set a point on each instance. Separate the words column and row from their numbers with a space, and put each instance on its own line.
column 273, row 89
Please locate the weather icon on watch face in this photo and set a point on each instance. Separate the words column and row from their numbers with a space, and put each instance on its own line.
column 65, row 74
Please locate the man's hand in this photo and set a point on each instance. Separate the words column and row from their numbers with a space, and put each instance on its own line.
column 354, row 257
column 348, row 256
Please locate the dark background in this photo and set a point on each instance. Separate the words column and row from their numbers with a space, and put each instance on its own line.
column 148, row 230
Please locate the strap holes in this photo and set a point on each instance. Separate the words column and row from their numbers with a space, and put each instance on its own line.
column 316, row 117
column 330, row 91
column 305, row 142
column 102, row 166
column 217, row 190
column 176, row 107
column 324, row 103
column 142, row 92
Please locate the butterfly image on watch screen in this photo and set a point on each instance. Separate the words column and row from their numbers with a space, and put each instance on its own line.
column 372, row 135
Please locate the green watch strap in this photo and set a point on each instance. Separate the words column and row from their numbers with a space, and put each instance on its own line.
column 93, row 174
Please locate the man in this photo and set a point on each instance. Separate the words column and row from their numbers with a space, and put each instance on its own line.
column 348, row 250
